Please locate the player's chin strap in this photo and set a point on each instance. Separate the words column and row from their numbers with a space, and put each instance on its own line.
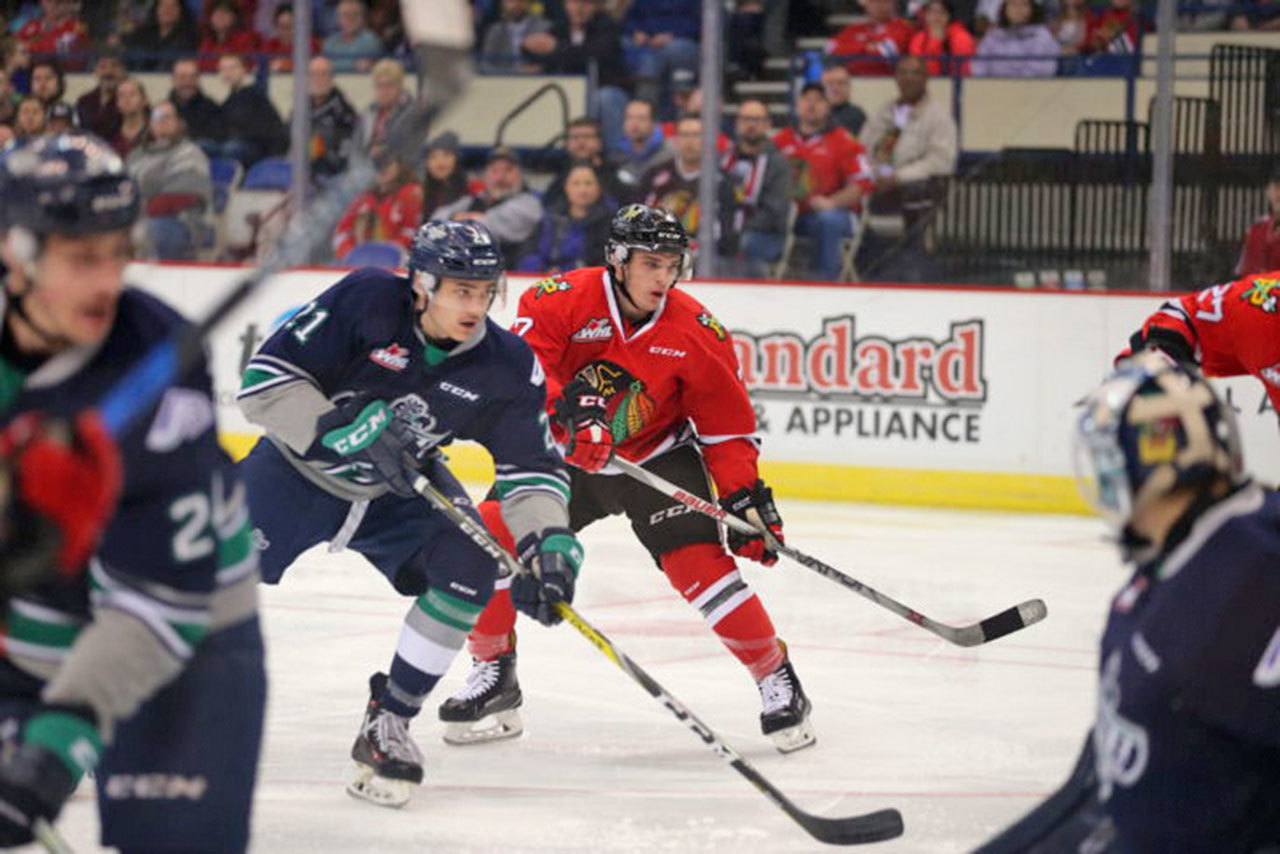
column 52, row 340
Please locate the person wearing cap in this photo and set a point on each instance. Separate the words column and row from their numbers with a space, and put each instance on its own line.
column 60, row 118
column 504, row 205
column 831, row 176
column 444, row 180
column 388, row 212
column 1261, row 250
column 177, row 191
column 97, row 107
column 333, row 121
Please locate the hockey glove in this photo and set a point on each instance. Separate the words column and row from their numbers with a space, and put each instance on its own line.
column 61, row 486
column 552, row 559
column 754, row 504
column 58, row 746
column 372, row 435
column 581, row 412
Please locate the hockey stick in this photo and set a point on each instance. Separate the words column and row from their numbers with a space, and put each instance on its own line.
column 441, row 34
column 996, row 626
column 852, row 830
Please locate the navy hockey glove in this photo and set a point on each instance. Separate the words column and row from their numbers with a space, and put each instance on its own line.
column 58, row 746
column 552, row 558
column 755, row 504
column 374, row 436
column 580, row 410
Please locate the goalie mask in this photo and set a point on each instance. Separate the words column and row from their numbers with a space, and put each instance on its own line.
column 455, row 250
column 1151, row 428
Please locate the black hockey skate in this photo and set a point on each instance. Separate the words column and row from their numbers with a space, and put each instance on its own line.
column 388, row 763
column 785, row 717
column 487, row 707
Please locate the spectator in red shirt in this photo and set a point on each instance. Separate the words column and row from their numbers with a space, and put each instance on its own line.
column 883, row 34
column 57, row 32
column 280, row 45
column 941, row 39
column 389, row 212
column 831, row 175
column 97, row 107
column 223, row 34
column 1113, row 30
column 1261, row 250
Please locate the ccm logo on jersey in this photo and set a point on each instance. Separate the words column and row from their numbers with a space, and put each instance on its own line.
column 393, row 357
column 458, row 391
column 596, row 329
column 668, row 351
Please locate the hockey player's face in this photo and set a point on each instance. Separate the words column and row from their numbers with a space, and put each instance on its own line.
column 78, row 284
column 650, row 275
column 457, row 307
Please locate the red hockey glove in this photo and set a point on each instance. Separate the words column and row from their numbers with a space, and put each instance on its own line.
column 581, row 411
column 755, row 504
column 65, row 483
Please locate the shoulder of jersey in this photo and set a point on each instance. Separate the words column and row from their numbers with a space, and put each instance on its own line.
column 143, row 319
column 701, row 326
column 562, row 288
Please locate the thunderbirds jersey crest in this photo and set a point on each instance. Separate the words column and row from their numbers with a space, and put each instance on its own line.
column 1187, row 736
column 360, row 339
column 177, row 555
column 674, row 371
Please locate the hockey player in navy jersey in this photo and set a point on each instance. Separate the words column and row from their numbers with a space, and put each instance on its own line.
column 122, row 666
column 357, row 393
column 1184, row 755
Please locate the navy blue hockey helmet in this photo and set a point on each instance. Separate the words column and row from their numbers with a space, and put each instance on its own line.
column 1152, row 427
column 68, row 183
column 459, row 250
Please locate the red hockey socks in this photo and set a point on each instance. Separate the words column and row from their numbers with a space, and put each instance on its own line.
column 494, row 633
column 708, row 579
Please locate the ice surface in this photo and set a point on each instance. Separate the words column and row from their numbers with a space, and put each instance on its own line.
column 961, row 741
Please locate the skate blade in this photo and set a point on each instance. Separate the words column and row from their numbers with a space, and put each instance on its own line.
column 385, row 792
column 494, row 727
column 794, row 738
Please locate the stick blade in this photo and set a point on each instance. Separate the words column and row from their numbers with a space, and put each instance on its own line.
column 1018, row 617
column 853, row 830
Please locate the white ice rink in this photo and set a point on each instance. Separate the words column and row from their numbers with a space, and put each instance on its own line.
column 961, row 741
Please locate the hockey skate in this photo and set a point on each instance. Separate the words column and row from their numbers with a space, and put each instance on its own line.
column 785, row 716
column 488, row 706
column 388, row 763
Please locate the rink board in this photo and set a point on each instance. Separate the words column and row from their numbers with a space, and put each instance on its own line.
column 937, row 396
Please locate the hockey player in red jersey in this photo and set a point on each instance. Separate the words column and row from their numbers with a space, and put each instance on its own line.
column 637, row 368
column 1229, row 330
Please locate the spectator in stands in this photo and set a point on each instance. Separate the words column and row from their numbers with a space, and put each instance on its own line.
column 354, row 47
column 386, row 24
column 389, row 100
column 60, row 118
column 1070, row 26
column 135, row 115
column 845, row 113
column 171, row 32
column 745, row 40
column 1261, row 250
column 643, row 144
column 584, row 147
column 279, row 45
column 503, row 47
column 97, row 107
column 761, row 180
column 1114, row 30
column 873, row 44
column 444, row 180
column 1020, row 34
column 661, row 36
column 830, row 177
column 1263, row 16
column 177, row 192
column 9, row 100
column 574, row 230
column 941, row 39
column 7, row 134
column 388, row 212
column 201, row 115
column 673, row 185
column 688, row 97
column 30, row 121
column 510, row 211
column 17, row 66
column 58, row 31
column 333, row 121
column 588, row 34
column 225, row 34
column 47, row 81
column 253, row 129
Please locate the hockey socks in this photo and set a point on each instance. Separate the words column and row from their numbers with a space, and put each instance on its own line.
column 435, row 628
column 494, row 632
column 708, row 579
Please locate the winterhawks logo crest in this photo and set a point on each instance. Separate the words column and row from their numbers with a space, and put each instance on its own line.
column 707, row 320
column 1263, row 294
column 596, row 329
column 393, row 357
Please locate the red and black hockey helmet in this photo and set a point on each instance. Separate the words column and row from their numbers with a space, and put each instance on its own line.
column 648, row 229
